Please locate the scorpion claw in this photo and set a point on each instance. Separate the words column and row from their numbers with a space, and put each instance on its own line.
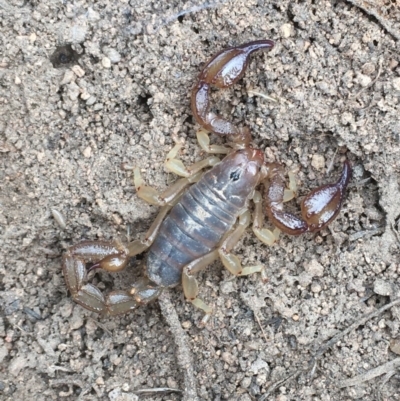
column 119, row 302
column 91, row 298
column 323, row 204
column 318, row 208
column 74, row 273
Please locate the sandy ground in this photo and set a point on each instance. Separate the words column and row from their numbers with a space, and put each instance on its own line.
column 88, row 90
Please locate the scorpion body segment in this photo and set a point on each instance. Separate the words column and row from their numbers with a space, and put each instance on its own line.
column 203, row 216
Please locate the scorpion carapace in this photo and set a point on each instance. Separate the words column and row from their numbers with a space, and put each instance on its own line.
column 203, row 216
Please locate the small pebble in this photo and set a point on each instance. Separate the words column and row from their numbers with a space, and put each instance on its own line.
column 87, row 152
column 227, row 287
column 347, row 118
column 228, row 358
column 396, row 83
column 318, row 162
column 395, row 345
column 113, row 55
column 258, row 365
column 382, row 287
column 59, row 218
column 314, row 268
column 73, row 91
column 76, row 320
column 363, row 80
column 368, row 68
column 285, row 30
column 187, row 324
column 85, row 95
column 77, row 34
column 316, row 287
column 117, row 219
column 305, row 279
column 91, row 100
column 106, row 62
column 78, row 71
column 69, row 76
column 92, row 15
column 245, row 383
column 3, row 354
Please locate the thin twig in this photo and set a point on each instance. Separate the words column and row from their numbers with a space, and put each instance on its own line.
column 328, row 170
column 150, row 27
column 371, row 83
column 389, row 28
column 101, row 325
column 326, row 346
column 371, row 374
column 184, row 356
column 262, row 329
column 352, row 327
column 164, row 390
column 387, row 377
column 263, row 95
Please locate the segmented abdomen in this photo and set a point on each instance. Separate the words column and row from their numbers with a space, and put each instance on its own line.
column 194, row 227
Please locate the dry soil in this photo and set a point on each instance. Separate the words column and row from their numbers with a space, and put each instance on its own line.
column 90, row 89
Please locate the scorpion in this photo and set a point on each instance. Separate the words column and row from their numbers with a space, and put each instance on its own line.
column 203, row 215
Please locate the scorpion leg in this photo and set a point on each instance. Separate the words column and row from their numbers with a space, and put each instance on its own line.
column 190, row 174
column 190, row 285
column 318, row 208
column 204, row 141
column 169, row 195
column 266, row 236
column 230, row 261
column 290, row 192
column 176, row 166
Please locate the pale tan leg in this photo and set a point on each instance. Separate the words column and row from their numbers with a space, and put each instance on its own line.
column 138, row 246
column 190, row 285
column 290, row 192
column 166, row 199
column 152, row 196
column 266, row 236
column 204, row 142
column 176, row 166
column 231, row 261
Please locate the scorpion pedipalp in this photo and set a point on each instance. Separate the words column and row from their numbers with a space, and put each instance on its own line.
column 319, row 207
